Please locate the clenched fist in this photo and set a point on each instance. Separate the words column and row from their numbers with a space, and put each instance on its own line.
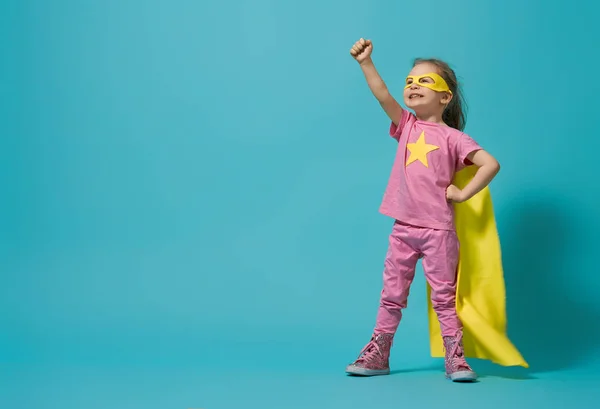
column 454, row 194
column 361, row 50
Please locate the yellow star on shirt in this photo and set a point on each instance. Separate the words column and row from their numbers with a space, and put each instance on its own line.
column 419, row 150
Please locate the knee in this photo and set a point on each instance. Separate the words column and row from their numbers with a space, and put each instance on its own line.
column 444, row 305
column 392, row 303
column 443, row 300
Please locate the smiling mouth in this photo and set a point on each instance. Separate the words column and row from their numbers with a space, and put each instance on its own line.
column 414, row 96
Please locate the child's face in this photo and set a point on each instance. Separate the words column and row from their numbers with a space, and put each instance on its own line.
column 420, row 98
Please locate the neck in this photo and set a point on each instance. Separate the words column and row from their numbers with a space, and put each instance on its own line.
column 429, row 117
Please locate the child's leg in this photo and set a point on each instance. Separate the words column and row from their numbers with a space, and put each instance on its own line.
column 398, row 274
column 440, row 264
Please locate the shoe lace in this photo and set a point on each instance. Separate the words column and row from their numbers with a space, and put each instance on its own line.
column 457, row 354
column 370, row 352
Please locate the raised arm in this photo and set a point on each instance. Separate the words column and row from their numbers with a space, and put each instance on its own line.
column 361, row 51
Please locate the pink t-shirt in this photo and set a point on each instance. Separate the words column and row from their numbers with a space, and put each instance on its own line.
column 427, row 158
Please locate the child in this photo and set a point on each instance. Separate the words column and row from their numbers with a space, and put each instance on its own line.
column 419, row 197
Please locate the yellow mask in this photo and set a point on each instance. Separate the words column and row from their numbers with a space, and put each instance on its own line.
column 439, row 84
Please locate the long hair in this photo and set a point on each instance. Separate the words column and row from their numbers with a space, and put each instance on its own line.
column 455, row 113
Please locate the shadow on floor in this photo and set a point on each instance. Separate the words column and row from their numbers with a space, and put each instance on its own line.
column 545, row 321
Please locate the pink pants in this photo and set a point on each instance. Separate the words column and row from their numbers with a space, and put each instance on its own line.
column 439, row 250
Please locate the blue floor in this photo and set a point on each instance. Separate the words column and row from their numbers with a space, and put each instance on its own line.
column 290, row 386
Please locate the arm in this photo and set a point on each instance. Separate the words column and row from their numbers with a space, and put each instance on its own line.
column 391, row 107
column 361, row 51
column 488, row 169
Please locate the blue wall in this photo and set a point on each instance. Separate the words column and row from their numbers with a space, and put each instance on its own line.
column 192, row 182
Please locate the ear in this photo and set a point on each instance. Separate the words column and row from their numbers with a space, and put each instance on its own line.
column 446, row 98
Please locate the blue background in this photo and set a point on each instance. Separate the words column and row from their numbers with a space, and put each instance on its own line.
column 189, row 214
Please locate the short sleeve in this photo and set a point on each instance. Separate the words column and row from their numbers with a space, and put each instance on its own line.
column 465, row 145
column 406, row 120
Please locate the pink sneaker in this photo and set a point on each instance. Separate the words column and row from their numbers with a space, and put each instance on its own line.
column 457, row 369
column 374, row 359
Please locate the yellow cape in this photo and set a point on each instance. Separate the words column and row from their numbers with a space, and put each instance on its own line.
column 480, row 294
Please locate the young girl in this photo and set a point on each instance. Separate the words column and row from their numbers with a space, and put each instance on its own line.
column 419, row 197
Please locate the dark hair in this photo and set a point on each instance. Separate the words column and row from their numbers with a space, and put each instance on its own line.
column 455, row 113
